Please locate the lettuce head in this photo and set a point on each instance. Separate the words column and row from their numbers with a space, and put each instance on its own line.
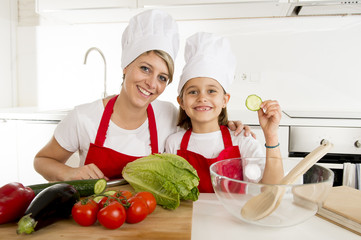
column 169, row 177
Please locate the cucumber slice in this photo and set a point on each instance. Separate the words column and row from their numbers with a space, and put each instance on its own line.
column 110, row 192
column 100, row 186
column 98, row 198
column 253, row 102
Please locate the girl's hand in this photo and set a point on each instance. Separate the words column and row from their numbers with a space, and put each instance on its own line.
column 238, row 126
column 89, row 171
column 269, row 117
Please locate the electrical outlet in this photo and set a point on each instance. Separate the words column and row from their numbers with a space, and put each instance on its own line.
column 244, row 76
column 254, row 77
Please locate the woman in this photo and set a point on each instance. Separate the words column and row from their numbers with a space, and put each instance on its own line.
column 109, row 133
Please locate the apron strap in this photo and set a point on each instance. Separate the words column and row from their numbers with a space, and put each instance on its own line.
column 104, row 123
column 152, row 129
column 185, row 139
column 227, row 140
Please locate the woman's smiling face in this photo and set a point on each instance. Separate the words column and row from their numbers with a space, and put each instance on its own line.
column 145, row 79
column 203, row 100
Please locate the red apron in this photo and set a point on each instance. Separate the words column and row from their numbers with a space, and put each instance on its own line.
column 109, row 161
column 202, row 164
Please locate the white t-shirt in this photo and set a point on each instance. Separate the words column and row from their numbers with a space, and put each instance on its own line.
column 79, row 128
column 211, row 144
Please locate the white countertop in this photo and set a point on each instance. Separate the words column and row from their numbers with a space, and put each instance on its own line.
column 247, row 117
column 32, row 114
column 212, row 221
column 251, row 118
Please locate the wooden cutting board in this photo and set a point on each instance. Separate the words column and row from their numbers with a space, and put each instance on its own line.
column 161, row 224
column 342, row 207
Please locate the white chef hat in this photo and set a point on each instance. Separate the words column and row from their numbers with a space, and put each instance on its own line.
column 149, row 30
column 208, row 55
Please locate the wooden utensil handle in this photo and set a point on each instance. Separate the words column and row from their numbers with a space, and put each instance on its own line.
column 306, row 163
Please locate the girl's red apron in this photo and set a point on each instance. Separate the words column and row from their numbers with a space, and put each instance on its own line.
column 111, row 162
column 202, row 164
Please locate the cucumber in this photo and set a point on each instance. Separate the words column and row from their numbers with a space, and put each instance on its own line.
column 84, row 187
column 253, row 102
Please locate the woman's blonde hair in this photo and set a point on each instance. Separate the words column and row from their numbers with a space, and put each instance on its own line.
column 185, row 122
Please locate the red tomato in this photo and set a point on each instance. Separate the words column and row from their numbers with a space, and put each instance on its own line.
column 137, row 211
column 112, row 216
column 123, row 195
column 85, row 212
column 149, row 199
column 106, row 201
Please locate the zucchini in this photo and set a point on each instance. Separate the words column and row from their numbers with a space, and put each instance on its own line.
column 84, row 187
column 53, row 203
column 253, row 102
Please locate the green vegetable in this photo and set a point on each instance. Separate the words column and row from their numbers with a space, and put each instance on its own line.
column 84, row 187
column 253, row 102
column 168, row 177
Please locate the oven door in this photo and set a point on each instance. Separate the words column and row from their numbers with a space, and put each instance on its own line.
column 343, row 159
column 337, row 169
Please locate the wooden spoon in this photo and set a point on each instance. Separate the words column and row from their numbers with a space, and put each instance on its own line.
column 265, row 203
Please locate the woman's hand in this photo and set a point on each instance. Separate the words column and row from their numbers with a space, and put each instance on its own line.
column 89, row 171
column 269, row 117
column 238, row 126
column 50, row 163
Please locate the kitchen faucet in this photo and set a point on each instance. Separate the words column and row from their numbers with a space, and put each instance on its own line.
column 105, row 66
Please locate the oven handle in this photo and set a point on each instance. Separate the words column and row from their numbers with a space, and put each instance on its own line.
column 331, row 165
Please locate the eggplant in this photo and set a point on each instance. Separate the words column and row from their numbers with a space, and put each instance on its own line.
column 50, row 205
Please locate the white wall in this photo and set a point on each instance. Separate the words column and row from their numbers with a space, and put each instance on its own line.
column 6, row 53
column 309, row 63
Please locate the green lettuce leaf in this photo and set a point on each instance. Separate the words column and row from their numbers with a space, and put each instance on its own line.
column 168, row 177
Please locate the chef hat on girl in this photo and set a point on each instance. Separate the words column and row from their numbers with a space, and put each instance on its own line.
column 149, row 30
column 208, row 55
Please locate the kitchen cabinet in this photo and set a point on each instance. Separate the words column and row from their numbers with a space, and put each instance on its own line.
column 20, row 141
column 8, row 158
column 31, row 137
column 86, row 11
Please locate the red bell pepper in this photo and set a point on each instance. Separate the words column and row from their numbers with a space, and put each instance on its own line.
column 14, row 200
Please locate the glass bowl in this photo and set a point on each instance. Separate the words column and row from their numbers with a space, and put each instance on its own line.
column 299, row 202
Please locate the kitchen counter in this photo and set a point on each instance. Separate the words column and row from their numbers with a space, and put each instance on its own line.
column 209, row 220
column 212, row 221
column 334, row 120
column 32, row 114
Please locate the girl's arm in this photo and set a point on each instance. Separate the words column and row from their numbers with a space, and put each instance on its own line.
column 269, row 118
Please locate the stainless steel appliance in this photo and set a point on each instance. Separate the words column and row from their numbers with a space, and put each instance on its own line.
column 346, row 141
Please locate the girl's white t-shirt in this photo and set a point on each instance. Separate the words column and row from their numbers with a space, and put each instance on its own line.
column 79, row 128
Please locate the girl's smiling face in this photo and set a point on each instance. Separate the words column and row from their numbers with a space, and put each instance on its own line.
column 145, row 79
column 203, row 99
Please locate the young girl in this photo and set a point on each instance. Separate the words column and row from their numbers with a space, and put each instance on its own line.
column 203, row 97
